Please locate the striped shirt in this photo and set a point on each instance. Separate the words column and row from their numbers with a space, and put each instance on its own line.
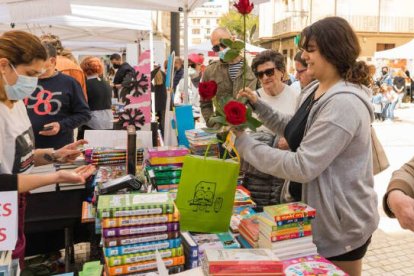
column 234, row 69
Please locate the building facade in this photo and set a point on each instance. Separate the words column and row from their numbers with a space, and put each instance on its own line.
column 379, row 24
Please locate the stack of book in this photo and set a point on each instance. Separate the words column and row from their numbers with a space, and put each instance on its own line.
column 165, row 178
column 241, row 262
column 134, row 226
column 311, row 265
column 249, row 232
column 164, row 166
column 242, row 198
column 199, row 141
column 110, row 156
column 195, row 245
column 240, row 213
column 287, row 230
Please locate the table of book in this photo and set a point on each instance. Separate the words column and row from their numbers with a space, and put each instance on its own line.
column 134, row 225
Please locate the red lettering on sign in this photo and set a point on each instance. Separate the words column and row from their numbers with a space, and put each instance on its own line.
column 3, row 235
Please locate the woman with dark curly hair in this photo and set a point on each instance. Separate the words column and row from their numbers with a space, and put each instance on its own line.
column 99, row 96
column 330, row 138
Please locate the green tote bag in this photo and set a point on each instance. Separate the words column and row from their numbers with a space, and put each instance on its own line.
column 206, row 192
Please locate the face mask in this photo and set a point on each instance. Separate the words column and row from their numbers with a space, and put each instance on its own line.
column 223, row 53
column 23, row 87
column 192, row 72
column 116, row 66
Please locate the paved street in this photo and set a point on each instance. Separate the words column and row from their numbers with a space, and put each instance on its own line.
column 392, row 249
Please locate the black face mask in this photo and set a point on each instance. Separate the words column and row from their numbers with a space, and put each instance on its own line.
column 384, row 72
column 116, row 66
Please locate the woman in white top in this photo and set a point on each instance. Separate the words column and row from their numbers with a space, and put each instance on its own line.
column 22, row 59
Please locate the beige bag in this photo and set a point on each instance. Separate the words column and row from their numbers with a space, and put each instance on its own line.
column 379, row 158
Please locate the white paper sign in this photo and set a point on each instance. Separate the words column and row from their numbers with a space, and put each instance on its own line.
column 116, row 138
column 8, row 220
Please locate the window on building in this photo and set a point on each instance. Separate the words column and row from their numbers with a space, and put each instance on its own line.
column 196, row 31
column 385, row 46
column 196, row 21
column 196, row 41
column 208, row 31
column 207, row 21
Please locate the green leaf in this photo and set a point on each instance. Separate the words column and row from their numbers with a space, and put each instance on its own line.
column 253, row 121
column 252, row 31
column 227, row 41
column 231, row 55
column 219, row 119
column 238, row 45
column 249, row 113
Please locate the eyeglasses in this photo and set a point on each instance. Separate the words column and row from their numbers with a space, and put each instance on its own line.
column 216, row 48
column 301, row 71
column 268, row 72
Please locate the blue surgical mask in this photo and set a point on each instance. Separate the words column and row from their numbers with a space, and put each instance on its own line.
column 23, row 87
column 223, row 53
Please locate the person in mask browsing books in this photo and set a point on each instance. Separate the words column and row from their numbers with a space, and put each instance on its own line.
column 227, row 75
column 194, row 76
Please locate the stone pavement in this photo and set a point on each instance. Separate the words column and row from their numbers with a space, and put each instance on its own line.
column 392, row 249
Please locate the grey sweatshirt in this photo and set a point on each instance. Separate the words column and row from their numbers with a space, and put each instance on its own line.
column 334, row 161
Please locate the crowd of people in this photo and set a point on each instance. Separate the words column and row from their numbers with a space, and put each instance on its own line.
column 307, row 150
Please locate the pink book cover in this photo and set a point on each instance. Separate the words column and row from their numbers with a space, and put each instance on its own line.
column 311, row 265
column 168, row 151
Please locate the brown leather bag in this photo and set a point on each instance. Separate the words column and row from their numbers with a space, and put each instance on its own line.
column 379, row 158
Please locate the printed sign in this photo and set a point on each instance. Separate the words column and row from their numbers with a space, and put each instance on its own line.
column 8, row 220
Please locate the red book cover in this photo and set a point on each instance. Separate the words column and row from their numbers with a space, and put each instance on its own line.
column 291, row 236
column 289, row 211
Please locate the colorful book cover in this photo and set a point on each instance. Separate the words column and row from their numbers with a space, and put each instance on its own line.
column 168, row 174
column 289, row 211
column 198, row 132
column 141, row 247
column 145, row 256
column 140, row 220
column 167, row 151
column 243, row 242
column 311, row 265
column 171, row 270
column 166, row 168
column 106, row 173
column 143, row 266
column 134, row 204
column 88, row 212
column 267, row 223
column 228, row 240
column 145, row 229
column 167, row 181
column 126, row 240
column 240, row 261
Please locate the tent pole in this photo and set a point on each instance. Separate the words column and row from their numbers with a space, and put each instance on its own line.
column 185, row 55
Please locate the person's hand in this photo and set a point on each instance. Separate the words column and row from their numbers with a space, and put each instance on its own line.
column 249, row 94
column 403, row 208
column 70, row 152
column 55, row 128
column 282, row 144
column 79, row 175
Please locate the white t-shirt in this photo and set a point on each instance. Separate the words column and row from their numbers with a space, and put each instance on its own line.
column 16, row 139
column 285, row 102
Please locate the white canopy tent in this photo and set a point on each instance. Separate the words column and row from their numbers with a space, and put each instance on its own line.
column 405, row 51
column 94, row 21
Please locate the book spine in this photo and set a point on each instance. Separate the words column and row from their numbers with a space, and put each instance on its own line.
column 245, row 267
column 166, row 160
column 290, row 236
column 138, row 211
column 141, row 247
column 142, row 257
column 297, row 220
column 167, row 181
column 167, row 153
column 285, row 231
column 191, row 263
column 139, row 220
column 190, row 245
column 310, row 214
column 124, row 269
column 118, row 241
column 127, row 231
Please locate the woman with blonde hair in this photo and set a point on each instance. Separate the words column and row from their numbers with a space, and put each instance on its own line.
column 22, row 58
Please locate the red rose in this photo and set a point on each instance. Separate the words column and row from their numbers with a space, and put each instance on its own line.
column 244, row 6
column 207, row 90
column 235, row 112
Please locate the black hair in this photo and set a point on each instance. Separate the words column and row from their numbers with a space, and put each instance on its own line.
column 115, row 56
column 272, row 56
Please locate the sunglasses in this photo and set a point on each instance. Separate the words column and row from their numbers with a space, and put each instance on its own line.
column 268, row 72
column 216, row 48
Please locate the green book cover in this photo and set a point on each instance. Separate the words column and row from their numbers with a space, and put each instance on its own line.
column 134, row 204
